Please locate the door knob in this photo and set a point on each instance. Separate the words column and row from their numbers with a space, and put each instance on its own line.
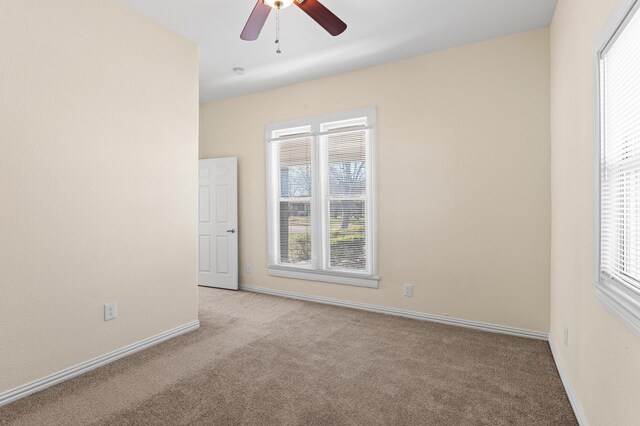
column 232, row 231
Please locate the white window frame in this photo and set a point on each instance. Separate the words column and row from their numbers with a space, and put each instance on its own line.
column 619, row 299
column 369, row 278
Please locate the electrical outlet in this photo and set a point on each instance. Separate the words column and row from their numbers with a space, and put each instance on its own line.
column 566, row 336
column 110, row 311
column 247, row 268
column 408, row 290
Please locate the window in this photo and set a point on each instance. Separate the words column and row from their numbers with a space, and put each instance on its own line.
column 619, row 169
column 320, row 191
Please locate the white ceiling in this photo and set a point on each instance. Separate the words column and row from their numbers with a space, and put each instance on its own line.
column 378, row 31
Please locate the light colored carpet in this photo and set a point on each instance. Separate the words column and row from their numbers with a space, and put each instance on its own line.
column 263, row 360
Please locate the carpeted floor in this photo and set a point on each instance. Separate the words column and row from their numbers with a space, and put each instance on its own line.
column 263, row 360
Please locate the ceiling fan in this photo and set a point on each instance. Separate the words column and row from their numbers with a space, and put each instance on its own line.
column 313, row 8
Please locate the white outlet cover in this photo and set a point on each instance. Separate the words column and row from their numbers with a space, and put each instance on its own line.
column 110, row 311
column 408, row 290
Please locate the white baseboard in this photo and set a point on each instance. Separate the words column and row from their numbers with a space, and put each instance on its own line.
column 401, row 312
column 68, row 373
column 575, row 404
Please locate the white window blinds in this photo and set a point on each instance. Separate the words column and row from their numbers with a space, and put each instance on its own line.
column 620, row 157
column 321, row 198
column 344, row 173
column 294, row 203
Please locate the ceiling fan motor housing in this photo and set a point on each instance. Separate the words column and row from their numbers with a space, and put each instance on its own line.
column 278, row 4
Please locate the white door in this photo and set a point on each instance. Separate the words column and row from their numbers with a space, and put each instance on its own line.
column 218, row 223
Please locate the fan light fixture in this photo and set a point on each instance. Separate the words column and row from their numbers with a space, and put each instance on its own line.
column 278, row 4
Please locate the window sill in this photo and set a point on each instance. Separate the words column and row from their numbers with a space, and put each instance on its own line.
column 327, row 277
column 620, row 303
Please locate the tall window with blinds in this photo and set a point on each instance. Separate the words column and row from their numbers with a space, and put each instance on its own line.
column 619, row 177
column 320, row 191
column 294, row 203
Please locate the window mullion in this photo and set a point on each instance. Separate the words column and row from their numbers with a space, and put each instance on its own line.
column 323, row 230
column 316, row 201
column 370, row 205
column 275, row 205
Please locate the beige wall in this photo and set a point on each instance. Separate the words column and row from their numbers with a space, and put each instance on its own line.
column 463, row 177
column 98, row 151
column 602, row 358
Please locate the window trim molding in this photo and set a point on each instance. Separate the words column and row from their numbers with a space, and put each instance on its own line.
column 618, row 300
column 371, row 278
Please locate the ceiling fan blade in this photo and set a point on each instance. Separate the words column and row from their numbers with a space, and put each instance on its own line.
column 256, row 21
column 322, row 16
